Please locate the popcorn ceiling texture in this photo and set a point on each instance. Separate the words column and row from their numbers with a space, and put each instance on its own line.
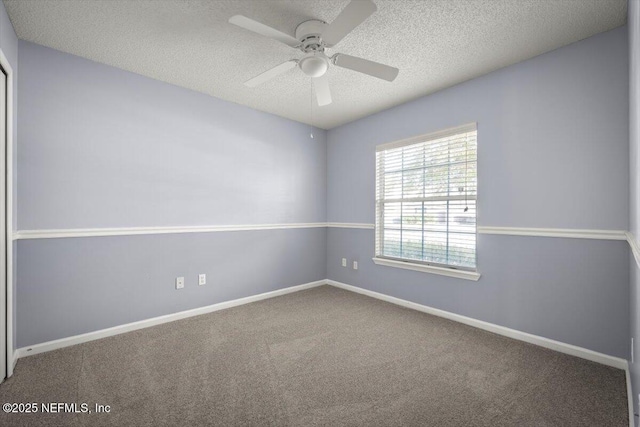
column 435, row 44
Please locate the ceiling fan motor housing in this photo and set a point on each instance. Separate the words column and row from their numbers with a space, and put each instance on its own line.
column 309, row 33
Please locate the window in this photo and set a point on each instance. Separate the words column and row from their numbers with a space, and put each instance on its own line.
column 426, row 200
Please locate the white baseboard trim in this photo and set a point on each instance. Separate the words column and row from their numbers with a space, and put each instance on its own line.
column 116, row 330
column 11, row 363
column 629, row 396
column 572, row 350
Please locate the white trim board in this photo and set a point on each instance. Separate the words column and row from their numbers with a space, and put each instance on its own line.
column 351, row 225
column 555, row 232
column 428, row 137
column 571, row 233
column 627, row 375
column 635, row 247
column 131, row 231
column 10, row 356
column 120, row 329
column 443, row 271
column 561, row 347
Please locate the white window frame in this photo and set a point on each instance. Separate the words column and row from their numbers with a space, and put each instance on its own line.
column 416, row 265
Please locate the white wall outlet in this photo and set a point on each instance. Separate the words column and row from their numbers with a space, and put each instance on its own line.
column 355, row 265
column 344, row 262
column 179, row 282
column 202, row 279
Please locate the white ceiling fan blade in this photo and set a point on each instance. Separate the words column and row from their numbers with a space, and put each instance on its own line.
column 265, row 30
column 323, row 94
column 365, row 66
column 351, row 16
column 269, row 74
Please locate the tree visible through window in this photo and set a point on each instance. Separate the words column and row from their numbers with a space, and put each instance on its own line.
column 426, row 191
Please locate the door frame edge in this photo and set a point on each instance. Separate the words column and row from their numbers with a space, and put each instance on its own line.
column 10, row 356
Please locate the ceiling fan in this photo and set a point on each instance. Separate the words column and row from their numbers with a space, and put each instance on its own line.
column 312, row 38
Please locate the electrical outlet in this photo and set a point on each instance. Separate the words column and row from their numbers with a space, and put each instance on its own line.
column 344, row 262
column 179, row 282
column 355, row 265
column 202, row 279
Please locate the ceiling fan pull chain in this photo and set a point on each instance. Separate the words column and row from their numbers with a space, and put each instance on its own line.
column 311, row 98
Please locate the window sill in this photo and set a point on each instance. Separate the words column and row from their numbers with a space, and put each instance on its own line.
column 460, row 274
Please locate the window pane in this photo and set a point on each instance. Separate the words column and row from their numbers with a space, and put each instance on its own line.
column 393, row 160
column 435, row 216
column 391, row 243
column 462, row 150
column 412, row 183
column 459, row 220
column 393, row 185
column 392, row 215
column 459, row 180
column 413, row 157
column 412, row 244
column 472, row 179
column 436, row 181
column 435, row 247
column 462, row 249
column 436, row 153
column 412, row 216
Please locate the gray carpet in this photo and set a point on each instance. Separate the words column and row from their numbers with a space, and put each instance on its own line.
column 324, row 356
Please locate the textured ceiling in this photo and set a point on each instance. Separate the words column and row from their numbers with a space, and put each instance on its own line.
column 434, row 43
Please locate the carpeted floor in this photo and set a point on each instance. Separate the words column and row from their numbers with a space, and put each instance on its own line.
column 323, row 356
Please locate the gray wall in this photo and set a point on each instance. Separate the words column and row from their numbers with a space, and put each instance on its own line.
column 102, row 147
column 9, row 46
column 72, row 286
column 569, row 290
column 634, row 156
column 552, row 152
column 552, row 140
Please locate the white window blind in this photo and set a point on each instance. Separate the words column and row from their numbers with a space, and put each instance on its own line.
column 426, row 199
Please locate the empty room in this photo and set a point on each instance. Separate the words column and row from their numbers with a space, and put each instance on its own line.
column 320, row 213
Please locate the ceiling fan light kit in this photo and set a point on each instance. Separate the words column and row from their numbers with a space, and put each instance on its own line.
column 314, row 64
column 312, row 37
